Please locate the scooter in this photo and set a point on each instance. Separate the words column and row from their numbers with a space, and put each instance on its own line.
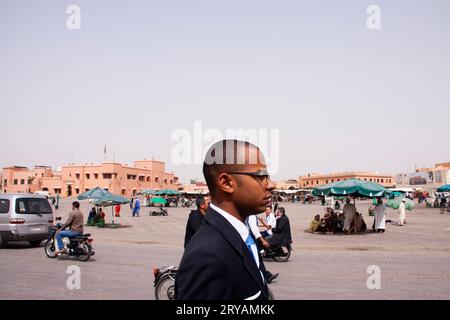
column 164, row 282
column 79, row 246
column 160, row 212
column 279, row 253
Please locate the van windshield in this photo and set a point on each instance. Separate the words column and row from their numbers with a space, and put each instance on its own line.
column 33, row 206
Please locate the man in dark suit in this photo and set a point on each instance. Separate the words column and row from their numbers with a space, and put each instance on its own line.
column 195, row 219
column 221, row 262
column 282, row 232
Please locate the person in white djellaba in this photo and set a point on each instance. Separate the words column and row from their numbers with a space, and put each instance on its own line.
column 402, row 213
column 379, row 221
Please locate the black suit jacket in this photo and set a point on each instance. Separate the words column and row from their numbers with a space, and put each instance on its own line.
column 193, row 224
column 217, row 265
column 282, row 232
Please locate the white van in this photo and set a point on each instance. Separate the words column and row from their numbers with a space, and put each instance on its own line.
column 24, row 217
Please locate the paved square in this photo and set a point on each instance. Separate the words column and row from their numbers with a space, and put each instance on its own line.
column 414, row 260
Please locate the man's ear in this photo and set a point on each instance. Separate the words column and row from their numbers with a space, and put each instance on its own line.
column 225, row 183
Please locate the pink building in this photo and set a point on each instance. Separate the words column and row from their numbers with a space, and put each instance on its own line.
column 73, row 180
column 18, row 179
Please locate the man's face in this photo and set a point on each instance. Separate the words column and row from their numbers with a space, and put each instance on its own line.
column 268, row 211
column 252, row 194
column 204, row 205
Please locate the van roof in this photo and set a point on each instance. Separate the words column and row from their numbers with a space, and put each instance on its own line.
column 20, row 195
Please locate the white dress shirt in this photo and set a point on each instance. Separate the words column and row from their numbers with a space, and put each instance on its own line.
column 240, row 227
column 271, row 221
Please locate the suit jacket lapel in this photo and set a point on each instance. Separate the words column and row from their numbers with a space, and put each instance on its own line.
column 233, row 237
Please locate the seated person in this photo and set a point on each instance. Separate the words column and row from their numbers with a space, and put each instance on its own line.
column 358, row 225
column 269, row 223
column 282, row 232
column 340, row 223
column 337, row 205
column 100, row 215
column 331, row 221
column 315, row 224
column 75, row 224
column 92, row 215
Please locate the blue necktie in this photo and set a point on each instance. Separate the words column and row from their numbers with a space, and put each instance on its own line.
column 249, row 242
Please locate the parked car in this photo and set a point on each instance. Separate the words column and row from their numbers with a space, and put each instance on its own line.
column 24, row 217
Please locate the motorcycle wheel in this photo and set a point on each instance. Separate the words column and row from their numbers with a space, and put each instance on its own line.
column 83, row 252
column 165, row 288
column 283, row 254
column 50, row 249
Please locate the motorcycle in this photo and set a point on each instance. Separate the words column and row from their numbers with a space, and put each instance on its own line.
column 79, row 246
column 160, row 212
column 185, row 203
column 164, row 282
column 279, row 253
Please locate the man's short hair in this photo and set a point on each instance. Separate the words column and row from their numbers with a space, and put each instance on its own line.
column 199, row 201
column 227, row 155
column 281, row 209
column 76, row 204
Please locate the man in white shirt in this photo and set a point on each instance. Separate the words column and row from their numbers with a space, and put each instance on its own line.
column 269, row 223
column 252, row 224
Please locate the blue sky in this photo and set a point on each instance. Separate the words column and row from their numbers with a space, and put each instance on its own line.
column 343, row 97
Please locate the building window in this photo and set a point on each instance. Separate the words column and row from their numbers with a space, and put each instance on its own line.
column 15, row 181
column 141, row 178
column 317, row 182
column 156, row 179
column 87, row 189
column 148, row 179
column 88, row 176
column 77, row 176
column 5, row 182
column 30, row 181
column 165, row 181
column 95, row 175
column 124, row 191
column 107, row 176
column 382, row 180
column 77, row 191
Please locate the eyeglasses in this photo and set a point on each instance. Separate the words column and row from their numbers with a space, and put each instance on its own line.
column 260, row 175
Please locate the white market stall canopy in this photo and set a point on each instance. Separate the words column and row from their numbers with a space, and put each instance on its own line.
column 405, row 190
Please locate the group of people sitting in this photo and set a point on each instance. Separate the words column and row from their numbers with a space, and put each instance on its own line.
column 349, row 221
column 96, row 217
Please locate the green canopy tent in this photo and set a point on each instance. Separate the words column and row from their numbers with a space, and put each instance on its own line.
column 103, row 198
column 445, row 188
column 159, row 200
column 167, row 192
column 148, row 192
column 352, row 187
